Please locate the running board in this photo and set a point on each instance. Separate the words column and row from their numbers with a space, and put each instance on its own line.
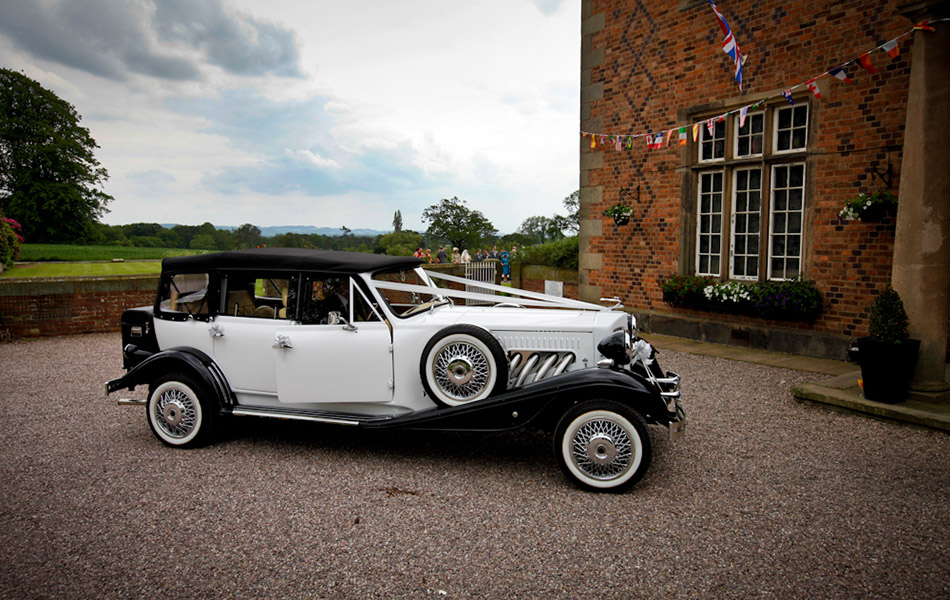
column 315, row 417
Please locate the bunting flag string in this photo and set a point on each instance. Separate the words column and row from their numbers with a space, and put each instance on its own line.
column 655, row 140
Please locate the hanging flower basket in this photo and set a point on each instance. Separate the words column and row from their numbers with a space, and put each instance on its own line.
column 620, row 213
column 870, row 208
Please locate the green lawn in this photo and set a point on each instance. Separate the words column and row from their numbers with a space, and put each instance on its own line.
column 63, row 260
column 64, row 252
column 72, row 269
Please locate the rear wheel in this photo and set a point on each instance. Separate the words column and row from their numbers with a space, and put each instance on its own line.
column 602, row 446
column 180, row 411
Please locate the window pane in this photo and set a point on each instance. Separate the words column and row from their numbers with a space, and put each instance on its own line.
column 749, row 135
column 709, row 241
column 781, row 202
column 785, row 247
column 743, row 149
column 795, row 222
column 795, row 198
column 778, row 245
column 794, row 245
column 801, row 116
column 746, row 201
column 712, row 145
column 784, row 118
column 742, row 180
column 791, row 128
column 792, row 268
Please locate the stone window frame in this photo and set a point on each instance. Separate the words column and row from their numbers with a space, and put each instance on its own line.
column 729, row 165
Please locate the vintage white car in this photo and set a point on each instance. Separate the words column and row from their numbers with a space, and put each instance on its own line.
column 374, row 341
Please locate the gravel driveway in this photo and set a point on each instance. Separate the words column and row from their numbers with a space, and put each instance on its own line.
column 765, row 497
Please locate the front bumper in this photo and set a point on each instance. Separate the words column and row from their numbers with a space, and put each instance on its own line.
column 670, row 392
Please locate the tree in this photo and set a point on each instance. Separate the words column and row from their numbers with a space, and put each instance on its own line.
column 398, row 243
column 247, row 236
column 203, row 241
column 48, row 172
column 572, row 221
column 453, row 222
column 397, row 222
column 541, row 229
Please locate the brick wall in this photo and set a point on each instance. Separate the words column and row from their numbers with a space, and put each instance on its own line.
column 533, row 277
column 645, row 62
column 70, row 305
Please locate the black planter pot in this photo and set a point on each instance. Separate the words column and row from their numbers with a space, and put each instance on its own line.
column 621, row 220
column 887, row 368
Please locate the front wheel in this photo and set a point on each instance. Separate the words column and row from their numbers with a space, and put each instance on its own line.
column 179, row 412
column 602, row 446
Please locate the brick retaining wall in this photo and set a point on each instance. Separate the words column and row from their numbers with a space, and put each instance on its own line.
column 33, row 307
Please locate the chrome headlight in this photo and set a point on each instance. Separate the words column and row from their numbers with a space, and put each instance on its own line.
column 632, row 326
column 616, row 347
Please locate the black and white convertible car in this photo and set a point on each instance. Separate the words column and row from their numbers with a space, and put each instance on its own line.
column 375, row 341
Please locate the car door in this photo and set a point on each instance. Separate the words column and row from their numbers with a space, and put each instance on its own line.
column 335, row 362
column 245, row 333
column 184, row 317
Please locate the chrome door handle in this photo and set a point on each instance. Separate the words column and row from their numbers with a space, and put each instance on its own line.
column 282, row 341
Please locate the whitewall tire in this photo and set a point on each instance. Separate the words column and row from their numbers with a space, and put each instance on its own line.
column 602, row 446
column 178, row 413
column 462, row 364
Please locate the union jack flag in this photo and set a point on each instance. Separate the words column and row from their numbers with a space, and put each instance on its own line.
column 729, row 44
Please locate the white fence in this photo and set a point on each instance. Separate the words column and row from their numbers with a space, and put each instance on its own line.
column 483, row 272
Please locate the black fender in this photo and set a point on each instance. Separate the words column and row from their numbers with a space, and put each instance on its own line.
column 541, row 404
column 192, row 361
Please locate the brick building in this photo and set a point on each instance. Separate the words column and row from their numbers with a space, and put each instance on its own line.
column 753, row 202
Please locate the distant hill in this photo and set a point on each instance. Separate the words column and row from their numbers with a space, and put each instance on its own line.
column 300, row 229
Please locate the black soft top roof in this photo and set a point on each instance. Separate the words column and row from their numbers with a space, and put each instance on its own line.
column 291, row 259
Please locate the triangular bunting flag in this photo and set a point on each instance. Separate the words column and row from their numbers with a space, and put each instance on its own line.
column 925, row 26
column 865, row 61
column 742, row 115
column 788, row 96
column 682, row 136
column 840, row 74
column 813, row 86
column 892, row 48
column 696, row 127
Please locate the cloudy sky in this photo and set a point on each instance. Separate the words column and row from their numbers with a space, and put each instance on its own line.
column 313, row 112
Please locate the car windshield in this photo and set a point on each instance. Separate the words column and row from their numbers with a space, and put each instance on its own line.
column 408, row 292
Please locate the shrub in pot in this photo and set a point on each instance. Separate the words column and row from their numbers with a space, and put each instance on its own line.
column 888, row 355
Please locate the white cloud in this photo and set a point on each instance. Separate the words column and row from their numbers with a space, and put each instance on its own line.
column 309, row 157
column 291, row 111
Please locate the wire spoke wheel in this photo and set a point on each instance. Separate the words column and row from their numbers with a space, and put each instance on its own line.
column 461, row 370
column 602, row 446
column 463, row 363
column 177, row 412
column 602, row 449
